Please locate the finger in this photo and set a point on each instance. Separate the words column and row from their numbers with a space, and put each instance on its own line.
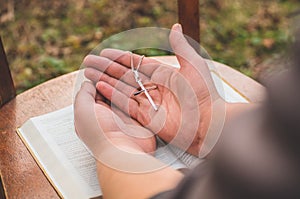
column 99, row 99
column 92, row 74
column 110, row 68
column 87, row 94
column 123, row 102
column 125, row 118
column 192, row 65
column 148, row 66
column 185, row 53
column 96, row 76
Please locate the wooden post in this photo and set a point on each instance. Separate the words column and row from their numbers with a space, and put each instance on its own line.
column 7, row 89
column 188, row 14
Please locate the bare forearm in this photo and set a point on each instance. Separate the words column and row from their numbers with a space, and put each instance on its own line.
column 228, row 114
column 234, row 109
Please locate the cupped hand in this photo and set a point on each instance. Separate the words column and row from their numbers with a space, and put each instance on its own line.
column 98, row 126
column 185, row 96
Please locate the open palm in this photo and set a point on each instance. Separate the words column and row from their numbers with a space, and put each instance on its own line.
column 98, row 126
column 184, row 96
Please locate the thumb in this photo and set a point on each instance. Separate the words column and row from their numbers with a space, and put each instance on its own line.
column 85, row 119
column 185, row 53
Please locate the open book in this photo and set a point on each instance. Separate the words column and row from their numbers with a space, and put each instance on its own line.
column 66, row 162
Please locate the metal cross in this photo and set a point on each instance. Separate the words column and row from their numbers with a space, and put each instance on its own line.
column 139, row 80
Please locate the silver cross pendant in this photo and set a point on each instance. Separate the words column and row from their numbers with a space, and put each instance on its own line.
column 139, row 80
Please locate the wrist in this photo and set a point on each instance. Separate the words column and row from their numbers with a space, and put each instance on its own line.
column 213, row 120
column 124, row 157
column 116, row 152
column 117, row 139
column 235, row 109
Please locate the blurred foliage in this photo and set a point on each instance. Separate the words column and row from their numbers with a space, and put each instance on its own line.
column 44, row 39
column 244, row 34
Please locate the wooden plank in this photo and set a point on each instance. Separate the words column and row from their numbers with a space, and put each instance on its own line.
column 7, row 89
column 188, row 14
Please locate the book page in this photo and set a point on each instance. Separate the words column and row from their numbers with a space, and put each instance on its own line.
column 226, row 91
column 189, row 160
column 61, row 154
column 174, row 156
column 165, row 155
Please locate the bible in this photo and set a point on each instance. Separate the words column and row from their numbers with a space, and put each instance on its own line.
column 71, row 169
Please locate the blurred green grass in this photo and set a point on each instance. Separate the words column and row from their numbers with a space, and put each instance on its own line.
column 45, row 39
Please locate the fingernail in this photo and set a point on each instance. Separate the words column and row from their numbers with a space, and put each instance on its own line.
column 177, row 27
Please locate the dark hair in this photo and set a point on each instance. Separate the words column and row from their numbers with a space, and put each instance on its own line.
column 283, row 105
